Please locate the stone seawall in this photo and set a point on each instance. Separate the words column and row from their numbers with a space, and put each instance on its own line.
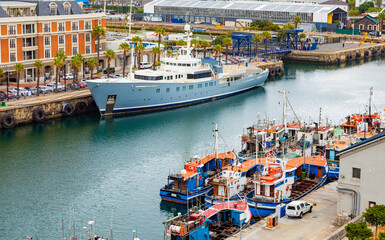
column 47, row 107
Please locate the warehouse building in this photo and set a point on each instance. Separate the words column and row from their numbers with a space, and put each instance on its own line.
column 220, row 12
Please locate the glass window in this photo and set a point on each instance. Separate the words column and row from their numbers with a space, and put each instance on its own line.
column 47, row 53
column 74, row 38
column 177, row 89
column 191, row 87
column 53, row 9
column 200, row 85
column 74, row 50
column 75, row 26
column 47, row 41
column 11, row 30
column 206, row 84
column 87, row 25
column 12, row 43
column 47, row 27
column 184, row 88
column 210, row 83
column 167, row 89
column 357, row 173
column 158, row 90
column 88, row 37
column 67, row 8
column 61, row 39
column 61, row 27
column 12, row 57
column 88, row 49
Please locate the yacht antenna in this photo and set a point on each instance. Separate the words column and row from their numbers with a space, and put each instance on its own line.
column 216, row 141
column 370, row 101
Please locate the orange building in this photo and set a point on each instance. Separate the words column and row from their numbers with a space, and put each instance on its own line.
column 37, row 30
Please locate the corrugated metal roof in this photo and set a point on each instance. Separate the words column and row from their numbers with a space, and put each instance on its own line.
column 256, row 6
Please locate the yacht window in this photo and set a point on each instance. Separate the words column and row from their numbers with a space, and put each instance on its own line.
column 184, row 88
column 177, row 89
column 191, row 87
column 210, row 83
column 158, row 90
column 188, row 65
column 184, row 64
column 153, row 78
column 174, row 64
column 200, row 85
column 206, row 84
column 171, row 77
column 167, row 89
column 179, row 64
column 198, row 75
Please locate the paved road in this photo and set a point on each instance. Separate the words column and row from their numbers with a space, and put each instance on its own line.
column 337, row 47
column 316, row 225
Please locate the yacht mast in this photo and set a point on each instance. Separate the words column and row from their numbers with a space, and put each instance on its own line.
column 285, row 110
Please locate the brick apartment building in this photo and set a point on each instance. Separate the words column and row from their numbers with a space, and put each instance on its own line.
column 32, row 30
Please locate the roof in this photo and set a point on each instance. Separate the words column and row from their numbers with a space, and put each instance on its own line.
column 316, row 160
column 225, row 155
column 240, row 5
column 333, row 2
column 43, row 9
column 362, row 143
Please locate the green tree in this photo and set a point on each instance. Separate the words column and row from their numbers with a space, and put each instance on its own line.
column 196, row 44
column 136, row 40
column 169, row 53
column 58, row 63
column 139, row 49
column 76, row 64
column 378, row 3
column 109, row 54
column 357, row 231
column 257, row 39
column 2, row 75
column 373, row 10
column 266, row 36
column 218, row 40
column 92, row 63
column 160, row 32
column 125, row 46
column 288, row 26
column 181, row 42
column 217, row 49
column 63, row 57
column 301, row 37
column 354, row 12
column 19, row 71
column 352, row 3
column 156, row 51
column 38, row 64
column 381, row 236
column 226, row 43
column 98, row 32
column 365, row 6
column 205, row 45
column 381, row 18
column 296, row 20
column 375, row 216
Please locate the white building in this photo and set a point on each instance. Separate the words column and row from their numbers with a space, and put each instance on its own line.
column 362, row 176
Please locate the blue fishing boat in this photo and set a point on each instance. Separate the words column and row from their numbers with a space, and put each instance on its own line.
column 193, row 181
column 181, row 80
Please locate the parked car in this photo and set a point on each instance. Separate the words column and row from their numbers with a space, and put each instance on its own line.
column 44, row 89
column 12, row 93
column 32, row 89
column 3, row 96
column 73, row 86
column 22, row 91
column 145, row 65
column 109, row 70
column 298, row 208
column 68, row 76
column 81, row 84
column 96, row 77
column 119, row 75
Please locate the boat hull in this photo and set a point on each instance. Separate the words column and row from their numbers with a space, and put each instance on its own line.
column 142, row 97
column 169, row 194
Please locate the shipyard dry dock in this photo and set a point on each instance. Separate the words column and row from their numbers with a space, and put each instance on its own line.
column 39, row 109
column 315, row 225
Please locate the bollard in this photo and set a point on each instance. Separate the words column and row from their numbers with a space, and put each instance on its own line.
column 3, row 103
column 38, row 98
column 327, row 50
column 346, row 48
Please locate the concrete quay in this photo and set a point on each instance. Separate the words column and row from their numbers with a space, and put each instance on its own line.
column 337, row 53
column 315, row 225
column 39, row 109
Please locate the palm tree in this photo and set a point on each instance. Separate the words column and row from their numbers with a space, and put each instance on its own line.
column 92, row 64
column 98, row 32
column 139, row 49
column 160, row 33
column 257, row 39
column 76, row 64
column 2, row 76
column 125, row 46
column 19, row 71
column 155, row 51
column 381, row 18
column 109, row 54
column 227, row 42
column 302, row 36
column 136, row 40
column 38, row 64
column 296, row 20
column 181, row 42
column 217, row 49
column 195, row 44
column 169, row 53
column 63, row 57
column 58, row 63
column 266, row 36
column 205, row 45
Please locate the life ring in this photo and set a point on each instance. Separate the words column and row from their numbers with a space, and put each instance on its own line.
column 68, row 109
column 38, row 115
column 287, row 188
column 8, row 121
column 238, row 186
column 272, row 72
column 81, row 107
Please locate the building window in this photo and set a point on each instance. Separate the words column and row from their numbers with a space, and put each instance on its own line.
column 88, row 37
column 361, row 27
column 357, row 173
column 370, row 27
column 61, row 39
column 75, row 26
column 12, row 57
column 47, row 53
column 87, row 25
column 372, row 204
column 61, row 27
column 61, row 49
column 74, row 38
column 374, row 28
column 12, row 43
column 53, row 8
column 47, row 27
column 11, row 30
column 88, row 49
column 47, row 41
column 74, row 50
column 100, row 22
column 67, row 8
column 28, row 28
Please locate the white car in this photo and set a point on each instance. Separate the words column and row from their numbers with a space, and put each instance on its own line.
column 145, row 65
column 68, row 76
column 298, row 208
column 22, row 91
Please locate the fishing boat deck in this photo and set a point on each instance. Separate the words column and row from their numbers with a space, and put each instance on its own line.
column 302, row 186
column 223, row 231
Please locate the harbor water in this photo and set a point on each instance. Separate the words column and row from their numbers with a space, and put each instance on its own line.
column 111, row 169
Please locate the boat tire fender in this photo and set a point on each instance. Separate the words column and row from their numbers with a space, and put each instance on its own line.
column 272, row 71
column 91, row 106
column 38, row 115
column 8, row 121
column 68, row 109
column 81, row 107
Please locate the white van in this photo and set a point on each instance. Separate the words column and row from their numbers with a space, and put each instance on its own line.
column 145, row 65
column 298, row 208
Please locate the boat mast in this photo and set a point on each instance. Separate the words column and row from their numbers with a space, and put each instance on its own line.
column 370, row 101
column 132, row 59
column 284, row 110
column 216, row 142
